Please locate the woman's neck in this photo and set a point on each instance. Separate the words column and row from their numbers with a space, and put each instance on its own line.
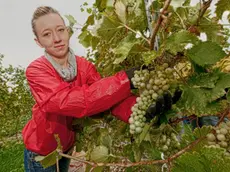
column 62, row 61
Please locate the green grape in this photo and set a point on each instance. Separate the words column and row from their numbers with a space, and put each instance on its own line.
column 211, row 137
column 151, row 84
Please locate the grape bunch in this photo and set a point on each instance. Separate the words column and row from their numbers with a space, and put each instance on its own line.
column 151, row 84
column 168, row 143
column 221, row 136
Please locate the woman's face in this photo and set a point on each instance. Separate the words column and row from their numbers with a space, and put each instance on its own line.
column 52, row 35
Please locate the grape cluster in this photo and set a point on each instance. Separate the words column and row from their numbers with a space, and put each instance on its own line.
column 168, row 143
column 151, row 84
column 221, row 136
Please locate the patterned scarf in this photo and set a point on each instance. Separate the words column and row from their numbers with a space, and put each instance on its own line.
column 68, row 74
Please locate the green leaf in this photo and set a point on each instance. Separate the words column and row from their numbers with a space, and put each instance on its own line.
column 228, row 96
column 120, row 10
column 143, row 134
column 48, row 160
column 148, row 57
column 176, row 3
column 206, row 53
column 212, row 29
column 99, row 154
column 108, row 28
column 193, row 100
column 101, row 4
column 200, row 132
column 71, row 20
column 105, row 138
column 221, row 7
column 124, row 48
column 204, row 80
column 137, row 152
column 219, row 90
column 151, row 150
column 178, row 40
column 207, row 159
column 85, row 38
column 90, row 20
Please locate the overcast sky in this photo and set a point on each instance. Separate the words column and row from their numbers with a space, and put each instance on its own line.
column 16, row 37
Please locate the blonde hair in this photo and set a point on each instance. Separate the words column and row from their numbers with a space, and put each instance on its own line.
column 42, row 11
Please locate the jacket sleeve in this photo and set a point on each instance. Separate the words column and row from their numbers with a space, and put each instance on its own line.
column 123, row 109
column 56, row 96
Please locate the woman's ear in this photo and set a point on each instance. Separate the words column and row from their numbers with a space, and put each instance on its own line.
column 38, row 43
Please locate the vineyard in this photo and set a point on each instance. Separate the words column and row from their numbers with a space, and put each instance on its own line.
column 178, row 50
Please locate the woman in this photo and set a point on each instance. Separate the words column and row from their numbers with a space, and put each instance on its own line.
column 65, row 86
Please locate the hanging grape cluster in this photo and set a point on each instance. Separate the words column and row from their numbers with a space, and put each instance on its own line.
column 221, row 136
column 168, row 143
column 151, row 84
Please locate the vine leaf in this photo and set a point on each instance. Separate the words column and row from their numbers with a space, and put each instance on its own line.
column 228, row 97
column 108, row 28
column 221, row 7
column 193, row 100
column 207, row 159
column 206, row 53
column 71, row 20
column 204, row 80
column 177, row 41
column 143, row 134
column 99, row 154
column 177, row 3
column 120, row 10
column 85, row 38
column 200, row 132
column 219, row 90
column 124, row 48
column 50, row 159
column 148, row 57
column 197, row 101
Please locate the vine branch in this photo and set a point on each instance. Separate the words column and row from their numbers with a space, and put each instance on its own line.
column 158, row 24
column 131, row 164
column 203, row 9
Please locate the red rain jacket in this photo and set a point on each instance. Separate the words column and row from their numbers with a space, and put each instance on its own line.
column 58, row 102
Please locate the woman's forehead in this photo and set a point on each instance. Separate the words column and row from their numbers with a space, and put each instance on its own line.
column 49, row 21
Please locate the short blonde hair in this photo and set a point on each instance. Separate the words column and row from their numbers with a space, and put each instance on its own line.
column 42, row 11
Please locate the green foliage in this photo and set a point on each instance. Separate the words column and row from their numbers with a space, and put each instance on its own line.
column 178, row 40
column 202, row 132
column 207, row 159
column 15, row 100
column 206, row 53
column 201, row 95
column 221, row 7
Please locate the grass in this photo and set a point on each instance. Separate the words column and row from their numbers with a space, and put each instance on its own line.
column 11, row 157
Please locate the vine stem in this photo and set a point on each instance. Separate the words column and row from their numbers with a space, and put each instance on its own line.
column 158, row 24
column 203, row 9
column 131, row 164
column 223, row 116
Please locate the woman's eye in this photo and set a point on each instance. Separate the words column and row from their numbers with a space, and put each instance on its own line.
column 61, row 30
column 46, row 34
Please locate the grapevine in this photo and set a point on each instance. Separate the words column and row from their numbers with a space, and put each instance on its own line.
column 173, row 56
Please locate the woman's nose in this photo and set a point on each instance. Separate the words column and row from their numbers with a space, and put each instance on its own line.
column 56, row 37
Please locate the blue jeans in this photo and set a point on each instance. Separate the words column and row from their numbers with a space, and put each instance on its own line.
column 33, row 166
